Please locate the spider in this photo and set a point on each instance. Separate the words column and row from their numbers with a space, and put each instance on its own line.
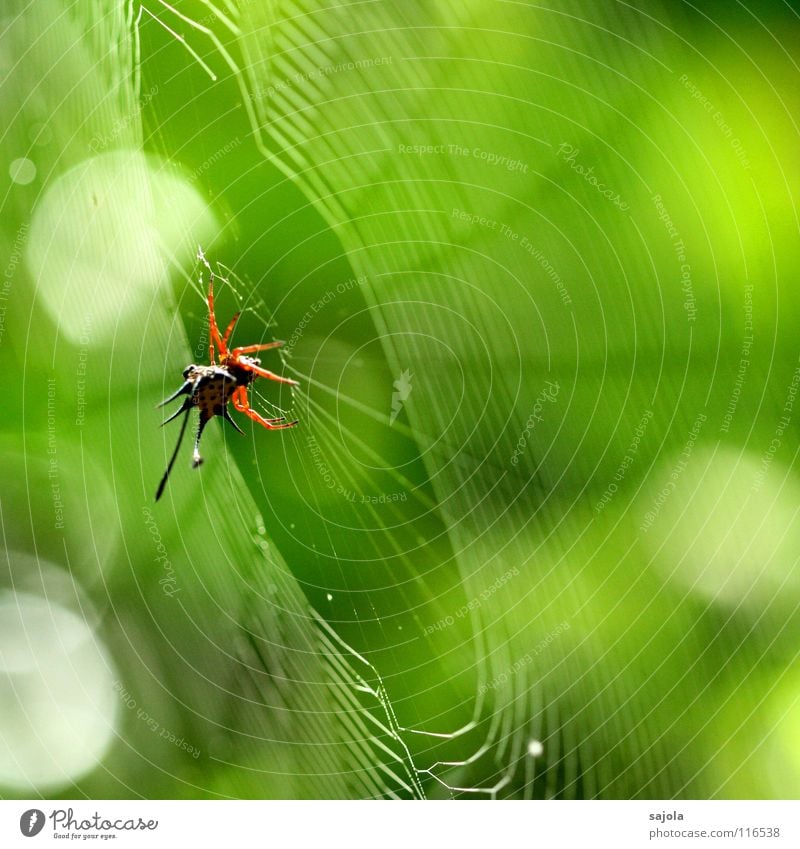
column 211, row 387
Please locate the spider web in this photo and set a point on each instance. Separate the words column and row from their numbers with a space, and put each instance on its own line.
column 234, row 657
column 429, row 138
column 326, row 62
column 508, row 714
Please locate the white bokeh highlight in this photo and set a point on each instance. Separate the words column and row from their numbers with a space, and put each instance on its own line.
column 56, row 688
column 103, row 236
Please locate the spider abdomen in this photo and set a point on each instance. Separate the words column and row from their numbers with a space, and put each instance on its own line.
column 212, row 390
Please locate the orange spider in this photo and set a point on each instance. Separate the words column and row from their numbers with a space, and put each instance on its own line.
column 211, row 387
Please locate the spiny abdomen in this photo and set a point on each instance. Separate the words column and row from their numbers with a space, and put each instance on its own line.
column 212, row 393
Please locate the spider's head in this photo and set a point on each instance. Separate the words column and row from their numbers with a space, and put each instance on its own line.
column 188, row 370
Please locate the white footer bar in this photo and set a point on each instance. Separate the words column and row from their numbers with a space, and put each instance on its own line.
column 392, row 825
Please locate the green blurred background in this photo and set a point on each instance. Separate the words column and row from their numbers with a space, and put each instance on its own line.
column 536, row 534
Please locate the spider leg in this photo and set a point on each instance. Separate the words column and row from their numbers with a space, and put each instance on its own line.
column 262, row 372
column 251, row 349
column 229, row 329
column 163, row 483
column 241, row 403
column 212, row 324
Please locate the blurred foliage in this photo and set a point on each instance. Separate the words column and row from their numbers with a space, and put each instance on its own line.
column 571, row 555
